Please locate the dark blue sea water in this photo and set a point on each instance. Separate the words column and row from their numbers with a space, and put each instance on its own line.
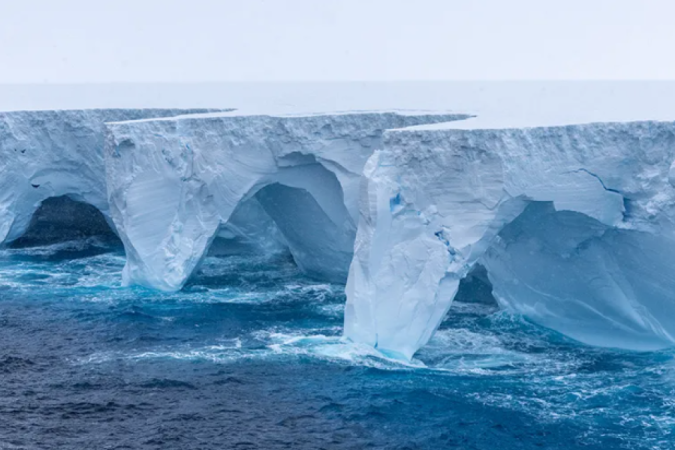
column 250, row 355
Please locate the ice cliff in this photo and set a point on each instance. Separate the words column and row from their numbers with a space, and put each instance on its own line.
column 45, row 154
column 574, row 224
column 174, row 185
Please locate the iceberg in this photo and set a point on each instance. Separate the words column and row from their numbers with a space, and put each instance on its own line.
column 574, row 225
column 175, row 183
column 571, row 224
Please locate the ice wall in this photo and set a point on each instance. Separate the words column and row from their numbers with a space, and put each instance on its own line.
column 46, row 154
column 174, row 183
column 574, row 225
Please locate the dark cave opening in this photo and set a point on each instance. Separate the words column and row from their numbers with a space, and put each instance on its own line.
column 62, row 219
column 476, row 288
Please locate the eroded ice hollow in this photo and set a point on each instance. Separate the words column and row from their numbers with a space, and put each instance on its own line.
column 574, row 224
column 50, row 154
column 175, row 184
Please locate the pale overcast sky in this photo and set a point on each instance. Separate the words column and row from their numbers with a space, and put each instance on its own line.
column 72, row 41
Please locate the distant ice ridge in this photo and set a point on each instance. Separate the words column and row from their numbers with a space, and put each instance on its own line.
column 175, row 184
column 45, row 154
column 574, row 224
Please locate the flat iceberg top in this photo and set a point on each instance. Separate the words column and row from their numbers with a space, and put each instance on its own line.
column 506, row 104
column 495, row 105
column 160, row 112
column 291, row 115
column 491, row 122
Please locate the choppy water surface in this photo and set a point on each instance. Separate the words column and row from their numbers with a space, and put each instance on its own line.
column 249, row 355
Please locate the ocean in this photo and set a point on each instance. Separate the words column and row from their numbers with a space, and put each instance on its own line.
column 250, row 355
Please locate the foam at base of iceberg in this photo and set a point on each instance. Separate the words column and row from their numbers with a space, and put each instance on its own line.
column 174, row 183
column 574, row 225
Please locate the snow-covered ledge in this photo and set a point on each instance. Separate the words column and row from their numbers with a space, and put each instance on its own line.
column 173, row 185
column 575, row 225
column 45, row 154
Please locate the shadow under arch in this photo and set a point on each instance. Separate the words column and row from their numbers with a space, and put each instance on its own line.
column 62, row 219
column 476, row 288
column 305, row 204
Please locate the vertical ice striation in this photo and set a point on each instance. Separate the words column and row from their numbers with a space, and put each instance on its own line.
column 574, row 225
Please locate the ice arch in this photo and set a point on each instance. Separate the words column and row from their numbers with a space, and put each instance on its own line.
column 300, row 209
column 173, row 183
column 438, row 201
column 45, row 154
